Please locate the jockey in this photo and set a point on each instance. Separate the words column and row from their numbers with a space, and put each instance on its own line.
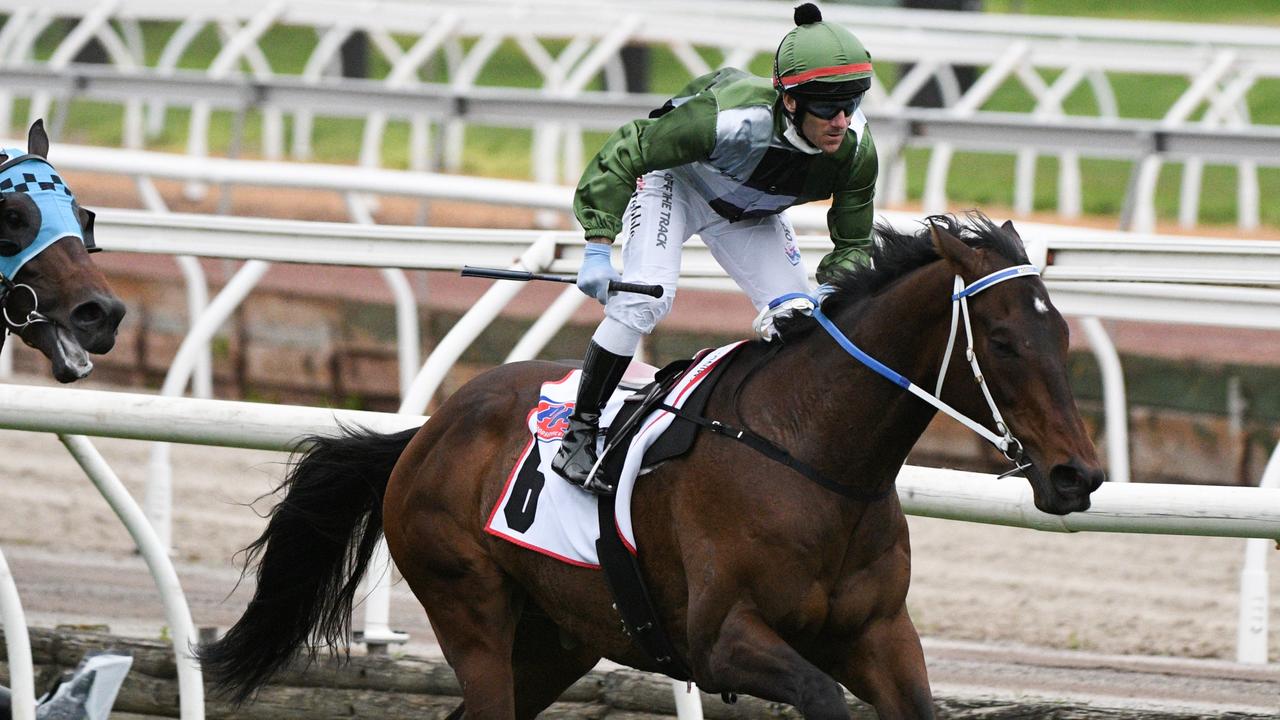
column 722, row 160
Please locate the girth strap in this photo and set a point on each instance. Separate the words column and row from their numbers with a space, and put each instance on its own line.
column 631, row 596
column 771, row 450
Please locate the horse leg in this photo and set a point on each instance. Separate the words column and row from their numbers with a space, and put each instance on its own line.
column 748, row 656
column 473, row 617
column 885, row 667
column 545, row 662
column 544, row 665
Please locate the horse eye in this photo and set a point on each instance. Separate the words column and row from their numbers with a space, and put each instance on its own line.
column 13, row 218
column 1002, row 346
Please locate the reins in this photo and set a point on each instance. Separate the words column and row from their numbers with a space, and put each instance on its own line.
column 778, row 454
column 1008, row 445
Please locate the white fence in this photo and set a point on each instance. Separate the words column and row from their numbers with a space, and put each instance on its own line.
column 231, row 424
column 563, row 46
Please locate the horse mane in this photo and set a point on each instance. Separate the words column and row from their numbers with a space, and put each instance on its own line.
column 895, row 254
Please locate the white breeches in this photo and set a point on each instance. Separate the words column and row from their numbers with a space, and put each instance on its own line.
column 760, row 254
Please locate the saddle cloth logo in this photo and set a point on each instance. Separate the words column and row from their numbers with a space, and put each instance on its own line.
column 551, row 419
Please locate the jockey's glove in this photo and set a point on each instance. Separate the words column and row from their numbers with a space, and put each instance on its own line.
column 597, row 271
column 764, row 322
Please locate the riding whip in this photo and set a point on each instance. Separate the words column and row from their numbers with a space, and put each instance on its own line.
column 524, row 276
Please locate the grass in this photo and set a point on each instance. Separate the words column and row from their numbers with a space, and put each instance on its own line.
column 975, row 179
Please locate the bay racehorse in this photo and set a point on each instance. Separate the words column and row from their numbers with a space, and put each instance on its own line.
column 52, row 295
column 769, row 584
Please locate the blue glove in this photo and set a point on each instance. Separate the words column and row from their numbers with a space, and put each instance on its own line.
column 597, row 271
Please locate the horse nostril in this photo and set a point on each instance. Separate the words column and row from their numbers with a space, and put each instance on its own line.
column 1072, row 479
column 103, row 313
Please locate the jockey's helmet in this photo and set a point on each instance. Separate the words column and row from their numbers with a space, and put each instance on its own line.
column 820, row 61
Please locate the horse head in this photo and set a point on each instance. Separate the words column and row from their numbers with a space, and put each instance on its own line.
column 51, row 294
column 1020, row 340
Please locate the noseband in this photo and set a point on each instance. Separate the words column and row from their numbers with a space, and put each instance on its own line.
column 1008, row 445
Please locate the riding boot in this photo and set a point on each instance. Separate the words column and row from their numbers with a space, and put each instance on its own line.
column 601, row 372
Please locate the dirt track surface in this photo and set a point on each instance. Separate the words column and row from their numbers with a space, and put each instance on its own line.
column 1003, row 609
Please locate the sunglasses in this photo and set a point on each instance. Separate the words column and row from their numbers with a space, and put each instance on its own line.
column 828, row 109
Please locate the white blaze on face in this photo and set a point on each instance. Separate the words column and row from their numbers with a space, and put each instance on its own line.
column 1041, row 307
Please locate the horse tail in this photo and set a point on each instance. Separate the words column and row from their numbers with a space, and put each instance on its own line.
column 309, row 560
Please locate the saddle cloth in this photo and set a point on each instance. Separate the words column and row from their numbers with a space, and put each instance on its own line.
column 542, row 511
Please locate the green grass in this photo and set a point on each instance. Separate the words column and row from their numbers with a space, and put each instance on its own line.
column 975, row 179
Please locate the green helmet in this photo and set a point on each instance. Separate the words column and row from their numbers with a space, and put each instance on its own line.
column 820, row 60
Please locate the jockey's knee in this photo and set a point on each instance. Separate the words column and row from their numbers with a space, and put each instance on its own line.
column 639, row 312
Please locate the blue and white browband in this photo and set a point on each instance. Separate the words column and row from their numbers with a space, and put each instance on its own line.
column 995, row 278
column 33, row 175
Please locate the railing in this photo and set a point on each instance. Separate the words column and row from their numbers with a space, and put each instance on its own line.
column 1147, row 143
column 228, row 424
column 566, row 45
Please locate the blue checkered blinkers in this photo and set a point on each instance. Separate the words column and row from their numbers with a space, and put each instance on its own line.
column 34, row 177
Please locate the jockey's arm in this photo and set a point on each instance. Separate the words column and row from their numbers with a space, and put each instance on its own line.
column 683, row 135
column 852, row 214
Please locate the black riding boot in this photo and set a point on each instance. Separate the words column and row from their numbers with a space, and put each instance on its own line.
column 601, row 371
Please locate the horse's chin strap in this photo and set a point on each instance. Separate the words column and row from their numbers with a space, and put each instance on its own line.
column 1004, row 441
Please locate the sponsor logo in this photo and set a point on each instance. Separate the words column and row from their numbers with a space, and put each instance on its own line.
column 552, row 419
column 664, row 217
column 793, row 252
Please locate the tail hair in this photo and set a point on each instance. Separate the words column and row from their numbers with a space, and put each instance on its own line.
column 310, row 559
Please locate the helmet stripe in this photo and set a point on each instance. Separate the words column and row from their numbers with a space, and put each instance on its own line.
column 798, row 78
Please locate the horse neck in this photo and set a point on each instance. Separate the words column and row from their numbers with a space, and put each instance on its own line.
column 857, row 425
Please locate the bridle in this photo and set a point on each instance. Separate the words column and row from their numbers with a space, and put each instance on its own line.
column 34, row 315
column 1003, row 438
column 34, row 176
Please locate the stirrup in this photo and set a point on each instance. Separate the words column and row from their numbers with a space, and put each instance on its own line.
column 568, row 465
column 596, row 484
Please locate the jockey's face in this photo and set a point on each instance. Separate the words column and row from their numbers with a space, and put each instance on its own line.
column 826, row 135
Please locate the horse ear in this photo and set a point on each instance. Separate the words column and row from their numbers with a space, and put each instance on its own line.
column 953, row 250
column 38, row 140
column 1007, row 226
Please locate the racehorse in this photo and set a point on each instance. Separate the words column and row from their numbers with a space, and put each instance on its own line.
column 769, row 584
column 51, row 294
